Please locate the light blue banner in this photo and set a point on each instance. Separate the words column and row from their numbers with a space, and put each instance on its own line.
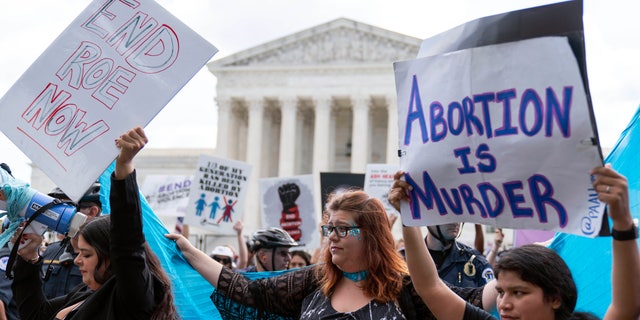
column 590, row 259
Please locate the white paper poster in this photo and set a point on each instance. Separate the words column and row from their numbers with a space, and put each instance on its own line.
column 499, row 135
column 378, row 180
column 218, row 194
column 113, row 68
column 287, row 203
column 167, row 194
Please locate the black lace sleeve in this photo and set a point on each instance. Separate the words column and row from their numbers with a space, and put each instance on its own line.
column 278, row 297
column 475, row 313
column 473, row 295
column 414, row 308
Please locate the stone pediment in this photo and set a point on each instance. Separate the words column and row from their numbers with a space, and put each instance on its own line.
column 340, row 41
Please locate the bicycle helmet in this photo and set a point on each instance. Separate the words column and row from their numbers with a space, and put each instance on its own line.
column 270, row 238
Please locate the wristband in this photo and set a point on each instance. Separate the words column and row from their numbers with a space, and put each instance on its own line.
column 625, row 235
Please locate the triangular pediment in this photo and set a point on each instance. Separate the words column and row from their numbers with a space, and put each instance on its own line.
column 341, row 41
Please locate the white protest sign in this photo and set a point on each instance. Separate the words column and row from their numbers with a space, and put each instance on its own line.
column 217, row 194
column 378, row 180
column 167, row 195
column 499, row 135
column 287, row 203
column 113, row 68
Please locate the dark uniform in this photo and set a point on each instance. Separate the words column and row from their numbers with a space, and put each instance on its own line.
column 64, row 275
column 6, row 295
column 464, row 266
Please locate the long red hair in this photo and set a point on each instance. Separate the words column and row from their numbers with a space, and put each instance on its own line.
column 385, row 265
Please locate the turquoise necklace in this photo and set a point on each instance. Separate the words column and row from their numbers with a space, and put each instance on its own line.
column 356, row 276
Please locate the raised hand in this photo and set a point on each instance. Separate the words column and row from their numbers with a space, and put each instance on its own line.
column 399, row 190
column 130, row 144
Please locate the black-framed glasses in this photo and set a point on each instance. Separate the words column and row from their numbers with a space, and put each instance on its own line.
column 341, row 231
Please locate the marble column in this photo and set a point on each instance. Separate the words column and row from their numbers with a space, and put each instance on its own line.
column 254, row 138
column 321, row 134
column 224, row 117
column 254, row 144
column 288, row 110
column 360, row 134
column 392, row 130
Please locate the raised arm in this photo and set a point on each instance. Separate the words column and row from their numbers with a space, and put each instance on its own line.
column 612, row 188
column 443, row 303
column 135, row 280
column 498, row 237
column 243, row 255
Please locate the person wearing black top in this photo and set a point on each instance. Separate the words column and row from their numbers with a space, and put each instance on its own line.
column 122, row 277
column 532, row 281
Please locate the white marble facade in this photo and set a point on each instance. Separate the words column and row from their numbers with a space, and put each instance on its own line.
column 319, row 100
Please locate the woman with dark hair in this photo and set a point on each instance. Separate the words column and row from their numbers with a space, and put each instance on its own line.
column 532, row 281
column 122, row 278
column 299, row 259
column 360, row 275
column 541, row 270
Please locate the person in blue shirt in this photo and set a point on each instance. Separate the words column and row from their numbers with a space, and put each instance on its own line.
column 457, row 263
column 60, row 274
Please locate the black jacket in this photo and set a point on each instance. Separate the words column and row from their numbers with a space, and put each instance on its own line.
column 129, row 294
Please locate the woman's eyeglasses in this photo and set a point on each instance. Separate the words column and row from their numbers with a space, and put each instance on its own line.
column 341, row 231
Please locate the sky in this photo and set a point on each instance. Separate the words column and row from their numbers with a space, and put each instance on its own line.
column 189, row 120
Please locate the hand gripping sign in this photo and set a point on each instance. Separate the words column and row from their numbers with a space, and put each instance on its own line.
column 498, row 135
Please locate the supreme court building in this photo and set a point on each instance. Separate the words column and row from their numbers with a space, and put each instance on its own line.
column 319, row 100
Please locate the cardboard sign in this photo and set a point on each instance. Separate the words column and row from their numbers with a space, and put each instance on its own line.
column 113, row 68
column 167, row 194
column 217, row 194
column 499, row 135
column 287, row 203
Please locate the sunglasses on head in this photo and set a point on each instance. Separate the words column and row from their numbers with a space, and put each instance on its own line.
column 223, row 260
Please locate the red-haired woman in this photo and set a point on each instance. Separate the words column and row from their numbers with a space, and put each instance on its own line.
column 360, row 275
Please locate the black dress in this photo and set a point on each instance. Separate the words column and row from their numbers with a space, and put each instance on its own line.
column 296, row 295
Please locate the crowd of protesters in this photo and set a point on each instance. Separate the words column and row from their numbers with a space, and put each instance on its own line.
column 359, row 271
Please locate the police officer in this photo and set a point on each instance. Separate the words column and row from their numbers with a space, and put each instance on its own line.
column 271, row 250
column 457, row 263
column 61, row 275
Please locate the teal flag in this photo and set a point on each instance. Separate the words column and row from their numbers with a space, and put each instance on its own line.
column 191, row 292
column 590, row 259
